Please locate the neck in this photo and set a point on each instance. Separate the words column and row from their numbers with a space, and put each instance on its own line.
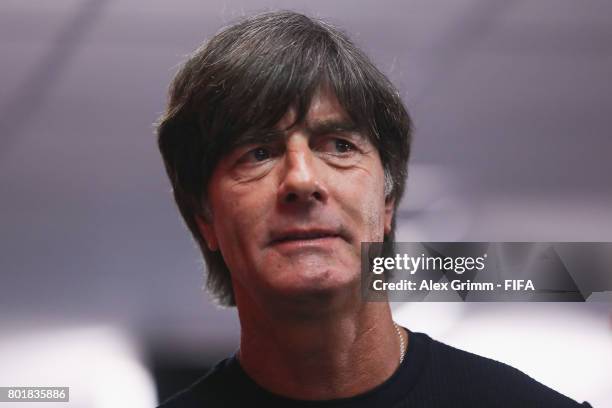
column 335, row 355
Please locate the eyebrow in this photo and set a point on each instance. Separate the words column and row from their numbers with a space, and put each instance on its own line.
column 258, row 136
column 331, row 126
column 316, row 128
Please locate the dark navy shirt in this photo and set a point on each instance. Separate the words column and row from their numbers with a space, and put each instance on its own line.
column 432, row 375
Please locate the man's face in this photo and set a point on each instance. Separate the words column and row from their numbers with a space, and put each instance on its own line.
column 291, row 208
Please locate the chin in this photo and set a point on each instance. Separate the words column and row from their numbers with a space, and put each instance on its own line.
column 318, row 282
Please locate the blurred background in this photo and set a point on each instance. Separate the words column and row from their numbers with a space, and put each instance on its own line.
column 100, row 283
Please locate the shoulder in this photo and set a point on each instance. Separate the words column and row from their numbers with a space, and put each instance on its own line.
column 480, row 379
column 209, row 388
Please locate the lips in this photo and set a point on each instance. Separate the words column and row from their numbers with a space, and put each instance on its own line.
column 303, row 235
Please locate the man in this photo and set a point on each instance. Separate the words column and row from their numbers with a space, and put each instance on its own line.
column 287, row 149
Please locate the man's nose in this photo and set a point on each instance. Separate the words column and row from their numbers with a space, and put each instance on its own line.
column 302, row 180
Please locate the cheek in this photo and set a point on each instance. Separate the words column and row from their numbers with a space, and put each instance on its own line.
column 366, row 209
column 235, row 242
column 375, row 219
column 239, row 214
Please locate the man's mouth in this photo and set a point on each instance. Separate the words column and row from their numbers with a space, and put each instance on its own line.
column 312, row 235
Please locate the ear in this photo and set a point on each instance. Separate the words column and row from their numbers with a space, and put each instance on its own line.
column 389, row 211
column 207, row 230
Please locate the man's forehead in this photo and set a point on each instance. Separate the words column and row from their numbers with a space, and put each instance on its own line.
column 324, row 108
column 325, row 114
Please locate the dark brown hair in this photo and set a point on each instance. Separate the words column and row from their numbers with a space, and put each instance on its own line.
column 245, row 79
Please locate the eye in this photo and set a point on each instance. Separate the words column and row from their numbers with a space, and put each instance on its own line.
column 336, row 146
column 256, row 155
column 343, row 146
column 340, row 150
column 260, row 154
